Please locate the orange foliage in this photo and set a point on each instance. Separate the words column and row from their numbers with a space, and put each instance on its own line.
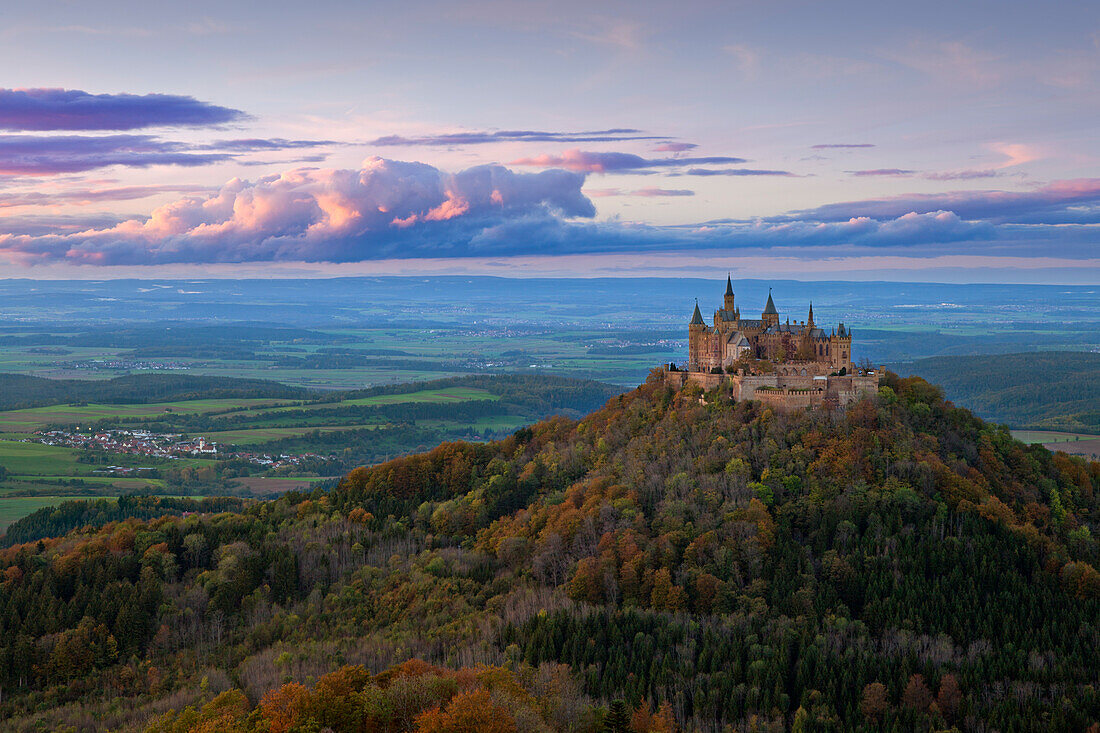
column 467, row 712
column 281, row 708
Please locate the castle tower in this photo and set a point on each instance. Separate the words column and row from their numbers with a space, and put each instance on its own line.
column 810, row 318
column 728, row 302
column 770, row 316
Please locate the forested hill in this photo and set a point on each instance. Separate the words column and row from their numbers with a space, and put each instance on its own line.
column 18, row 391
column 900, row 566
column 1052, row 390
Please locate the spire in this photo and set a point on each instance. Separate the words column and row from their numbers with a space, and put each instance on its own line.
column 810, row 318
column 769, row 309
column 729, row 284
column 697, row 317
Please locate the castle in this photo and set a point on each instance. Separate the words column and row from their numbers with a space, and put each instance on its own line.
column 787, row 365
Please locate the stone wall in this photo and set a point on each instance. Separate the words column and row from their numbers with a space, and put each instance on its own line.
column 785, row 392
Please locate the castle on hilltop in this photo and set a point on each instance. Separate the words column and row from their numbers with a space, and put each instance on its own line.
column 799, row 347
column 787, row 365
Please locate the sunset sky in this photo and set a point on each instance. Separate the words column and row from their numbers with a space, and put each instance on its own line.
column 953, row 141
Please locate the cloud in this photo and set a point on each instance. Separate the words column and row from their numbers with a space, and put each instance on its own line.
column 46, row 155
column 386, row 209
column 504, row 136
column 399, row 210
column 73, row 109
column 734, row 172
column 882, row 172
column 1075, row 201
column 87, row 197
column 963, row 175
column 590, row 162
column 250, row 145
column 829, row 146
column 673, row 147
column 642, row 192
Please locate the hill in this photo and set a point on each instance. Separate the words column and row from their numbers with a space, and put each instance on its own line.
column 903, row 566
column 18, row 391
column 1049, row 390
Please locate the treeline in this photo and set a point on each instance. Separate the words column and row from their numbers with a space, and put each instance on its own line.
column 18, row 391
column 70, row 515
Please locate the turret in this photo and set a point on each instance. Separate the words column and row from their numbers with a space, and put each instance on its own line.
column 697, row 322
column 727, row 303
column 770, row 316
column 810, row 318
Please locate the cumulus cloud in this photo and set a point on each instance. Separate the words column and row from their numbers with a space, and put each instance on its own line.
column 73, row 109
column 592, row 162
column 503, row 136
column 38, row 155
column 386, row 209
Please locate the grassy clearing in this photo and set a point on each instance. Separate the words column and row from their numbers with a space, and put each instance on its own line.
column 1049, row 436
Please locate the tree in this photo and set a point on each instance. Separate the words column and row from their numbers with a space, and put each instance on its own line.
column 949, row 696
column 916, row 696
column 468, row 711
column 876, row 702
column 618, row 718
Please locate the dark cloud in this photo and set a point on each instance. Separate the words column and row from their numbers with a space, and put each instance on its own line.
column 502, row 136
column 73, row 109
column 828, row 146
column 734, row 172
column 592, row 162
column 45, row 155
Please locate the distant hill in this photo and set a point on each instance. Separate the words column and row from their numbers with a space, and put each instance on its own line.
column 1047, row 389
column 18, row 391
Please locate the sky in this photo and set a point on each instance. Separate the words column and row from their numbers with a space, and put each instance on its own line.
column 943, row 141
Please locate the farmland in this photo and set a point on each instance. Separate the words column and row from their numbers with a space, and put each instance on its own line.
column 329, row 432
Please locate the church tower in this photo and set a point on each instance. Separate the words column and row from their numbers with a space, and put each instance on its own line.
column 728, row 302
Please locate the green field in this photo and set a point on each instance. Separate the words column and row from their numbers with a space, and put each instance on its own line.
column 1049, row 436
column 13, row 508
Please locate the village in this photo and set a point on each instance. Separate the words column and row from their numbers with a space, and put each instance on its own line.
column 170, row 446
